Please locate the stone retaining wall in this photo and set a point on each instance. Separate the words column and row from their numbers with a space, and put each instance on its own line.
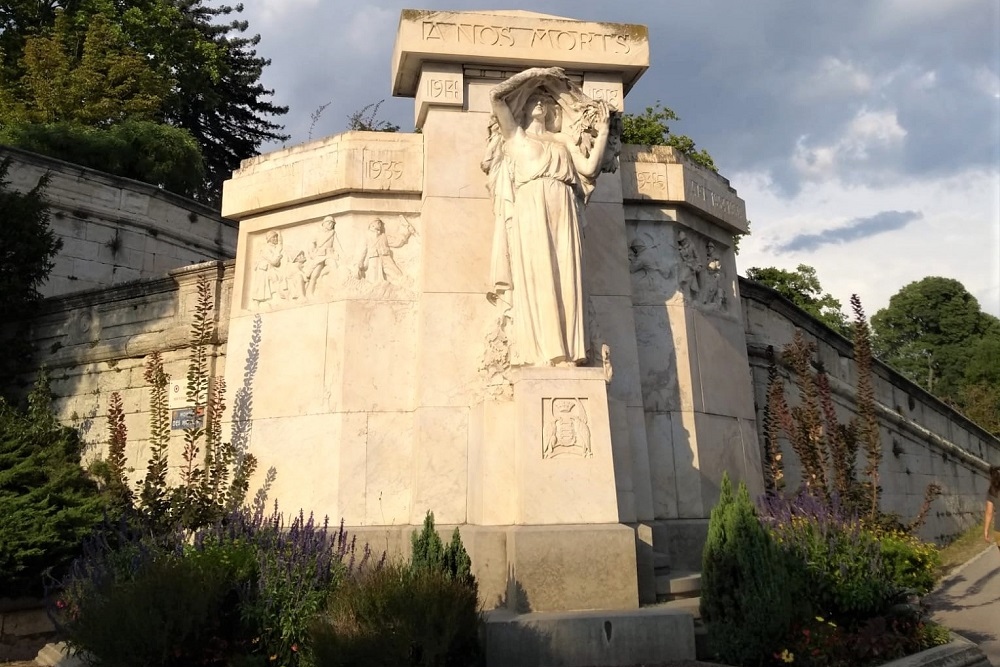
column 96, row 342
column 115, row 230
column 924, row 440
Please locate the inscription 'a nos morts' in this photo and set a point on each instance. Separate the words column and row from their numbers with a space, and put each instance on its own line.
column 526, row 38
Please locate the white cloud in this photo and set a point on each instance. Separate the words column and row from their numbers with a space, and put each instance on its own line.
column 867, row 133
column 956, row 237
column 987, row 81
column 833, row 78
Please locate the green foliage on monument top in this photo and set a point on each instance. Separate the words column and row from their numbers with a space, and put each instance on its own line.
column 802, row 287
column 366, row 119
column 47, row 502
column 97, row 63
column 650, row 128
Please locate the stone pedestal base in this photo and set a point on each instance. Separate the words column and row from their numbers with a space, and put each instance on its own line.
column 534, row 568
column 653, row 635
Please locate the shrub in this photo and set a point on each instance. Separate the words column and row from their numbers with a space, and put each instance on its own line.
column 155, row 153
column 47, row 503
column 396, row 615
column 912, row 564
column 241, row 588
column 751, row 591
column 297, row 568
column 160, row 606
column 430, row 553
column 842, row 556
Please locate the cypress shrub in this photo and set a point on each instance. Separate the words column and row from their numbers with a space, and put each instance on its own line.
column 751, row 592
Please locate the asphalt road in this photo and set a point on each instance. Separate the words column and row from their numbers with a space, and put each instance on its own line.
column 968, row 602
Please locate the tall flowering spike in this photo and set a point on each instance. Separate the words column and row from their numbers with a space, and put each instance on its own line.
column 869, row 428
column 153, row 489
column 773, row 409
column 117, row 437
column 807, row 437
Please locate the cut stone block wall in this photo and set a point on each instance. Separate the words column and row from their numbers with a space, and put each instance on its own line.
column 115, row 230
column 96, row 342
column 924, row 441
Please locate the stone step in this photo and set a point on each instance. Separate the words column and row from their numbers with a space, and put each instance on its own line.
column 678, row 584
column 686, row 605
column 661, row 561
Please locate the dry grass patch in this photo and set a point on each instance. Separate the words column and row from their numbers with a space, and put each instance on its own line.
column 964, row 548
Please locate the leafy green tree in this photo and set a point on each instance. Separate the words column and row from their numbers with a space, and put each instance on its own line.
column 980, row 393
column 802, row 287
column 928, row 332
column 154, row 153
column 174, row 62
column 47, row 503
column 650, row 128
column 93, row 77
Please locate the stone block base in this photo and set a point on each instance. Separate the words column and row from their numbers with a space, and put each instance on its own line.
column 683, row 540
column 534, row 568
column 651, row 635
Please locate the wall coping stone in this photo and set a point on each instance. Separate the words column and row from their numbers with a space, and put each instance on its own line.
column 773, row 299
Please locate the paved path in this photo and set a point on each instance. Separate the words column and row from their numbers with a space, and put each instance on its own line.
column 968, row 602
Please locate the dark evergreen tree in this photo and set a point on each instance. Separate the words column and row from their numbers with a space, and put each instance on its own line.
column 27, row 246
column 47, row 502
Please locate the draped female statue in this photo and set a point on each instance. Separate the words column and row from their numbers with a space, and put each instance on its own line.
column 548, row 143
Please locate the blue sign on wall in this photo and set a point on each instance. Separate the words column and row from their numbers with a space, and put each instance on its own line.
column 184, row 418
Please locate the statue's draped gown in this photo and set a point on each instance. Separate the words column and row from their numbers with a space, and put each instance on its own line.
column 545, row 254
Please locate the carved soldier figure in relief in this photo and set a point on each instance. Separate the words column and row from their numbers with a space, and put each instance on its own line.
column 715, row 293
column 267, row 279
column 689, row 271
column 376, row 264
column 320, row 253
column 546, row 147
column 566, row 430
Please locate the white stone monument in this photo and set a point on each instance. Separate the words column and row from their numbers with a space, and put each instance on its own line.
column 508, row 318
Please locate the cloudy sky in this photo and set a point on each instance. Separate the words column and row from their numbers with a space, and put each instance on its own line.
column 863, row 135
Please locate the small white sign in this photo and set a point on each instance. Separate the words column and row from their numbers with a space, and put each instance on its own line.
column 177, row 395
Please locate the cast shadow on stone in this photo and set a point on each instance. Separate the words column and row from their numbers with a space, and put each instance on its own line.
column 517, row 643
column 515, row 598
column 242, row 417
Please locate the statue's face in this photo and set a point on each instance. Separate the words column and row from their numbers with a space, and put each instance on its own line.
column 328, row 223
column 377, row 227
column 541, row 107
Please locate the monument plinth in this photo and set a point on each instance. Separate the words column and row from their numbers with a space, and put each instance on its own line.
column 508, row 319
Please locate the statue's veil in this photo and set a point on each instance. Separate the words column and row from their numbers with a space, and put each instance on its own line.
column 578, row 114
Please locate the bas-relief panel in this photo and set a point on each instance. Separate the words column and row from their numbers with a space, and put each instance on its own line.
column 565, row 428
column 365, row 257
column 668, row 263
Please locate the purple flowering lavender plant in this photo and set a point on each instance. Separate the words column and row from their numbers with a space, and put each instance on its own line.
column 248, row 585
column 846, row 575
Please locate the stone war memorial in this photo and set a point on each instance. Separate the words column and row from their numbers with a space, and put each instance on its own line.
column 507, row 318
